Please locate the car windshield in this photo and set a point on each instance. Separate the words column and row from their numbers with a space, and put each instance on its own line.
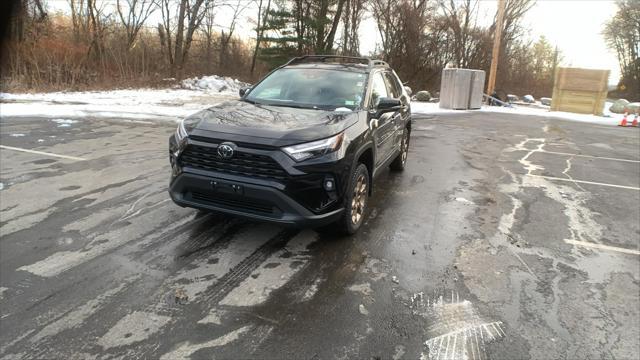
column 311, row 88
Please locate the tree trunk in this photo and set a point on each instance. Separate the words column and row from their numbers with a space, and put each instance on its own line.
column 176, row 67
column 259, row 32
column 332, row 33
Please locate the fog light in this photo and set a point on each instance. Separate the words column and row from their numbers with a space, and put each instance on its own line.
column 329, row 184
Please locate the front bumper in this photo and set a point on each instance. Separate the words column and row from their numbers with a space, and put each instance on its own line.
column 244, row 199
column 258, row 182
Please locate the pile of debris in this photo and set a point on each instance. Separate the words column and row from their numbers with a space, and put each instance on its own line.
column 213, row 83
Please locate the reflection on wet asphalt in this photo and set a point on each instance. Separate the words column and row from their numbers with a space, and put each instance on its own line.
column 475, row 251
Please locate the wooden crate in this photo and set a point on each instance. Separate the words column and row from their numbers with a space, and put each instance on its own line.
column 581, row 91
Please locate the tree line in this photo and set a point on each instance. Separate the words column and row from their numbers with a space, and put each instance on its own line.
column 127, row 42
column 622, row 34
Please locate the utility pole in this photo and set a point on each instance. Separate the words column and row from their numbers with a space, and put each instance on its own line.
column 496, row 48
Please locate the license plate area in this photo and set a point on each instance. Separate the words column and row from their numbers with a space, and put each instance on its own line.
column 227, row 187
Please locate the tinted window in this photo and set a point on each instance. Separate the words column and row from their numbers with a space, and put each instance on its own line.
column 312, row 88
column 378, row 89
column 394, row 88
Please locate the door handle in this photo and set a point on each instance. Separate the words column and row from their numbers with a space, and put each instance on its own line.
column 373, row 124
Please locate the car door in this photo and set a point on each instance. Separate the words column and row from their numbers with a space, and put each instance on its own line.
column 399, row 118
column 383, row 127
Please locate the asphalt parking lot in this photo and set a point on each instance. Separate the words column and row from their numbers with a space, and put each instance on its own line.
column 507, row 237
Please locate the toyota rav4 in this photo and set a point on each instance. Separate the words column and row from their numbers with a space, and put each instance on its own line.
column 302, row 146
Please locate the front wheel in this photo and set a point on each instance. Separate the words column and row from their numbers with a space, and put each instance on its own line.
column 355, row 201
column 400, row 161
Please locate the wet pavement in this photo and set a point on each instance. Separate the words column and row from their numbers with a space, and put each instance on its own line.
column 507, row 237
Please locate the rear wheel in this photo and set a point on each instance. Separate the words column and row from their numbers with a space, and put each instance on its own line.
column 355, row 201
column 400, row 161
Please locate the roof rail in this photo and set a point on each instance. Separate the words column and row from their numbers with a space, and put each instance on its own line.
column 380, row 62
column 337, row 58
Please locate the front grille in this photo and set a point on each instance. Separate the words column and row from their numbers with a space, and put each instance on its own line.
column 242, row 163
column 240, row 144
column 235, row 203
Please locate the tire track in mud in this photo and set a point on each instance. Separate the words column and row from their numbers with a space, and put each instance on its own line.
column 168, row 311
column 241, row 246
column 29, row 295
column 235, row 276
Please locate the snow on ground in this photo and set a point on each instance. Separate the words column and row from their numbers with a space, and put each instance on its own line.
column 196, row 94
column 152, row 104
column 608, row 117
column 214, row 82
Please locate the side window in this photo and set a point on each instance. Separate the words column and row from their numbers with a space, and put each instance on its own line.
column 378, row 88
column 394, row 89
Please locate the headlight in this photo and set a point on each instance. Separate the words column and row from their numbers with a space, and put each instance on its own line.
column 181, row 132
column 315, row 148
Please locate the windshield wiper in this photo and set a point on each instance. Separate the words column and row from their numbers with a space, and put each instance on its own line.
column 293, row 106
column 251, row 101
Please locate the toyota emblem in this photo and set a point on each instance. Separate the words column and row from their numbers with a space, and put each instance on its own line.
column 225, row 150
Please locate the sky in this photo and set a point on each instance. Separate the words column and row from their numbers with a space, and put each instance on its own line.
column 573, row 25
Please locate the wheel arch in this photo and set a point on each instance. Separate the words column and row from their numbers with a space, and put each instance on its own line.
column 366, row 156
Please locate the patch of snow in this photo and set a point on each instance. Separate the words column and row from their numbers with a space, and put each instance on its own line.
column 428, row 108
column 186, row 349
column 64, row 121
column 342, row 109
column 463, row 200
column 608, row 117
column 133, row 328
column 363, row 310
column 364, row 289
column 212, row 318
column 147, row 104
column 312, row 290
column 213, row 82
column 17, row 135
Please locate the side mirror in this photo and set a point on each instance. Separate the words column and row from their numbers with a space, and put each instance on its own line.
column 387, row 104
column 244, row 91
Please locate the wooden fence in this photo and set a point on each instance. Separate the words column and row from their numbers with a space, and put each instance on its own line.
column 580, row 90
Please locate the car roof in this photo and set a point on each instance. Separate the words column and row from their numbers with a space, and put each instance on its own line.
column 336, row 62
column 330, row 66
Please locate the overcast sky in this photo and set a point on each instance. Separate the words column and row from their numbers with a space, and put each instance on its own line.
column 575, row 26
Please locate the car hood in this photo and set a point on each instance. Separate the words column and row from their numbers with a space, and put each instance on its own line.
column 275, row 125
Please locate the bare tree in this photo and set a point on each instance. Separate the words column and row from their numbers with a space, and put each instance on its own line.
column 302, row 15
column 388, row 22
column 354, row 10
column 95, row 29
column 263, row 15
column 208, row 30
column 189, row 17
column 622, row 34
column 238, row 7
column 461, row 21
column 325, row 36
column 137, row 13
column 78, row 18
column 511, row 33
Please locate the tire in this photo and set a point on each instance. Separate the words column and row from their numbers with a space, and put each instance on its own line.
column 400, row 161
column 355, row 202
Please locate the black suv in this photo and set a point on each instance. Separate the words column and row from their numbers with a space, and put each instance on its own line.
column 301, row 147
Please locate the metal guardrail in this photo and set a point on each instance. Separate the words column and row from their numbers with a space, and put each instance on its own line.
column 505, row 104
